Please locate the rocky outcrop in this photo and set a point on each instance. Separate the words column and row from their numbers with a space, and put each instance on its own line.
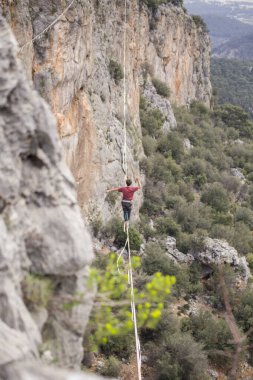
column 70, row 67
column 41, row 229
column 219, row 252
column 236, row 172
column 214, row 251
column 174, row 254
column 159, row 102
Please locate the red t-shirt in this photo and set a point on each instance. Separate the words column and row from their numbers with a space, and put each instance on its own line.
column 128, row 192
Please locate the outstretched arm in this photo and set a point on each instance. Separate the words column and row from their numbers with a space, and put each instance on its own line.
column 113, row 189
column 138, row 181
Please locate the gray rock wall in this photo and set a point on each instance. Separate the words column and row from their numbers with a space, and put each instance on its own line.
column 41, row 229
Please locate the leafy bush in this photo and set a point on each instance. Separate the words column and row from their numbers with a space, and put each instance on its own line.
column 187, row 242
column 112, row 367
column 242, row 238
column 243, row 308
column 149, row 145
column 196, row 168
column 213, row 333
column 198, row 108
column 161, row 87
column 250, row 260
column 171, row 145
column 230, row 183
column 154, row 198
column 182, row 358
column 155, row 259
column 116, row 71
column 200, row 23
column 121, row 345
column 189, row 217
column 114, row 230
column 111, row 317
column 244, row 215
column 37, row 291
column 155, row 3
column 159, row 168
column 166, row 225
column 216, row 197
column 243, row 311
column 134, row 237
column 151, row 121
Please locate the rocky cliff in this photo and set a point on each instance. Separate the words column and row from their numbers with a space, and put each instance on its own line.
column 70, row 63
column 45, row 249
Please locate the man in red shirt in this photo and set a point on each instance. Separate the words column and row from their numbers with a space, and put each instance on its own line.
column 128, row 194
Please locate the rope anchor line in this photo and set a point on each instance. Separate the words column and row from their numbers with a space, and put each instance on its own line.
column 127, row 243
column 124, row 94
column 133, row 307
column 39, row 35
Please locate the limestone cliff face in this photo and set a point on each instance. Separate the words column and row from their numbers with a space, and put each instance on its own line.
column 70, row 67
column 42, row 235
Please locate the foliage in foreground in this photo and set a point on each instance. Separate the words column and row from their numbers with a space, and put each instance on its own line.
column 111, row 316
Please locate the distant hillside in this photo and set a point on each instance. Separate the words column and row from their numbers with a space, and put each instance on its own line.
column 222, row 28
column 233, row 81
column 238, row 48
column 240, row 10
column 226, row 20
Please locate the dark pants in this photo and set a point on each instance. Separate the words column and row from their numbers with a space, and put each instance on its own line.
column 127, row 207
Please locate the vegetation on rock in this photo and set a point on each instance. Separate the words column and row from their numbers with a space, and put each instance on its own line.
column 155, row 3
column 37, row 291
column 161, row 87
column 191, row 192
column 116, row 71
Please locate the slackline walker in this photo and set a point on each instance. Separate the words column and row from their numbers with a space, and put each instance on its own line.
column 128, row 193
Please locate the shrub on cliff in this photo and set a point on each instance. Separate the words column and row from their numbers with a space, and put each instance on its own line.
column 195, row 168
column 151, row 121
column 116, row 71
column 212, row 332
column 37, row 291
column 200, row 23
column 250, row 260
column 171, row 145
column 182, row 358
column 155, row 3
column 216, row 196
column 112, row 367
column 243, row 311
column 161, row 87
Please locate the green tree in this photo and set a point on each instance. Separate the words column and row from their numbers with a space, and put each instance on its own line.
column 216, row 196
column 111, row 315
